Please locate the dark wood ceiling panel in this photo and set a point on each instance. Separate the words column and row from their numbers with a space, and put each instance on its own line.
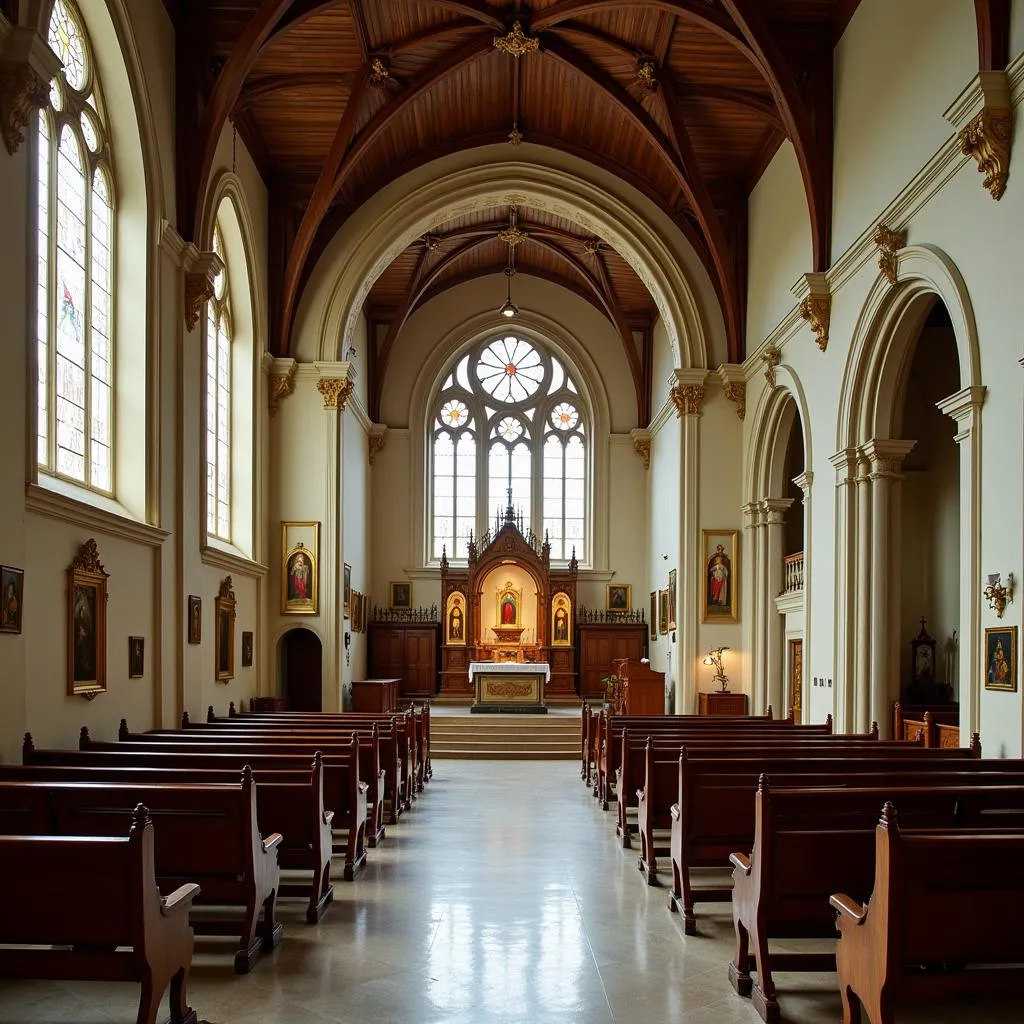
column 326, row 41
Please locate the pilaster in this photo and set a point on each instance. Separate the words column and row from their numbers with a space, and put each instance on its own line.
column 845, row 464
column 754, row 514
column 773, row 518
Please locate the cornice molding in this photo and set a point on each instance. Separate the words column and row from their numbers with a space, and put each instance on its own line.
column 964, row 403
column 734, row 386
column 63, row 508
column 236, row 564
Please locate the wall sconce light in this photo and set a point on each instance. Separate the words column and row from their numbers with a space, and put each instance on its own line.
column 996, row 594
column 714, row 658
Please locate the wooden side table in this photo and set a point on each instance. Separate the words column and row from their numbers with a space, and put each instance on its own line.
column 722, row 704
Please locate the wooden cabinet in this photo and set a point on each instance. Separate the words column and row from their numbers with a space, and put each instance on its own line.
column 406, row 651
column 643, row 689
column 722, row 704
column 599, row 645
column 375, row 694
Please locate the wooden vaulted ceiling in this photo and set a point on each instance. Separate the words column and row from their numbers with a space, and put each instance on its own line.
column 685, row 99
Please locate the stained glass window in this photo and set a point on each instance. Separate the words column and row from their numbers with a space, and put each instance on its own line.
column 75, row 266
column 218, row 403
column 521, row 399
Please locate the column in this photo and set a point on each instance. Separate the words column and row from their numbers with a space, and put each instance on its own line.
column 773, row 519
column 758, row 692
column 804, row 481
column 885, row 458
column 965, row 408
column 845, row 464
column 862, row 610
column 688, row 396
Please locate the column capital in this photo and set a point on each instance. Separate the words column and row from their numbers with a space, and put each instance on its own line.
column 754, row 513
column 687, row 391
column 884, row 456
column 734, row 386
column 642, row 444
column 336, row 382
column 27, row 66
column 815, row 298
column 773, row 510
column 281, row 377
column 201, row 271
column 376, row 438
column 963, row 404
column 845, row 464
column 804, row 481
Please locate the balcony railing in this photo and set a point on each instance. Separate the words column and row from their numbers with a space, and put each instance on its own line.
column 793, row 573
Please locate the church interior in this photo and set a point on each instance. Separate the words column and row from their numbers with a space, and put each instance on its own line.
column 533, row 357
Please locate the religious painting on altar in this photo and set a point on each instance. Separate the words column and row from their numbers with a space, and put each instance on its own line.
column 654, row 615
column 663, row 612
column 87, row 623
column 401, row 595
column 455, row 621
column 672, row 599
column 618, row 597
column 721, row 575
column 510, row 605
column 12, row 587
column 224, row 620
column 1001, row 658
column 300, row 548
column 561, row 621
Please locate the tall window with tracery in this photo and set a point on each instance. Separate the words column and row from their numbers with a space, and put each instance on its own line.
column 518, row 399
column 218, row 403
column 75, row 252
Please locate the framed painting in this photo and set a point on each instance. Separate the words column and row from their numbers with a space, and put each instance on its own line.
column 195, row 619
column 224, row 618
column 618, row 597
column 672, row 599
column 12, row 590
column 561, row 621
column 347, row 592
column 356, row 601
column 510, row 606
column 720, row 585
column 366, row 610
column 300, row 558
column 654, row 615
column 1001, row 658
column 246, row 650
column 136, row 657
column 455, row 621
column 401, row 595
column 663, row 612
column 87, row 623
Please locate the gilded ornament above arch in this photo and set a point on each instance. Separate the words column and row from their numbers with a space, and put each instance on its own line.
column 771, row 358
column 889, row 243
column 987, row 138
column 517, row 43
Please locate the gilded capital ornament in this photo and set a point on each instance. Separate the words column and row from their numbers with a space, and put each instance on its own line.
column 687, row 398
column 198, row 289
column 642, row 446
column 281, row 384
column 647, row 74
column 771, row 357
column 987, row 138
column 335, row 391
column 515, row 137
column 516, row 43
column 889, row 243
column 380, row 75
column 375, row 444
column 816, row 309
column 736, row 391
column 22, row 91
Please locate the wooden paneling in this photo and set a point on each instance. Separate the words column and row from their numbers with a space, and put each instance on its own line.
column 602, row 644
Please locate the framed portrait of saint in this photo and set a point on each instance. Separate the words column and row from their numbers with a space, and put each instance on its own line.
column 346, row 595
column 401, row 595
column 663, row 612
column 224, row 620
column 455, row 621
column 1001, row 658
column 195, row 619
column 247, row 650
column 300, row 557
column 672, row 599
column 561, row 621
column 720, row 585
column 618, row 597
column 654, row 615
column 87, row 623
column 136, row 657
column 12, row 595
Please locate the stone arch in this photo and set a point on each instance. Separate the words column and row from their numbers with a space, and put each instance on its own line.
column 420, row 201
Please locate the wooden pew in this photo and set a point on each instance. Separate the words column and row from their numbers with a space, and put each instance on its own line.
column 939, row 723
column 206, row 833
column 940, row 903
column 713, row 812
column 344, row 793
column 89, row 910
column 287, row 802
column 812, row 843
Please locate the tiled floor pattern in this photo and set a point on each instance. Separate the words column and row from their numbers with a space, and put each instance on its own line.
column 502, row 897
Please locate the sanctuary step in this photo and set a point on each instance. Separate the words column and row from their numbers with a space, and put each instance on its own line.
column 505, row 737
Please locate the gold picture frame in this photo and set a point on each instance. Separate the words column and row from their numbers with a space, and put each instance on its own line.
column 87, row 623
column 1000, row 666
column 720, row 582
column 400, row 595
column 356, row 603
column 366, row 611
column 654, row 615
column 618, row 597
column 663, row 612
column 508, row 610
column 455, row 620
column 672, row 599
column 300, row 568
column 224, row 624
column 136, row 657
column 561, row 621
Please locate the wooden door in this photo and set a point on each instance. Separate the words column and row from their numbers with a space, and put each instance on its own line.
column 796, row 678
column 302, row 668
column 420, row 662
column 387, row 653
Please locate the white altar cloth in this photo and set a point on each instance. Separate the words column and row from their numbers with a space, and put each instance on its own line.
column 510, row 668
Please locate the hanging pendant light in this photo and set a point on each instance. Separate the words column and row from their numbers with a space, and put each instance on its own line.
column 512, row 237
column 508, row 308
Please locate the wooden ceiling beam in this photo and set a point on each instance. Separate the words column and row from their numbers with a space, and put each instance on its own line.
column 346, row 151
column 429, row 36
column 993, row 18
column 796, row 118
column 359, row 20
column 691, row 10
column 226, row 91
column 300, row 11
column 258, row 88
column 738, row 97
column 481, row 12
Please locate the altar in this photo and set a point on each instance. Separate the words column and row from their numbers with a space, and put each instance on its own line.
column 508, row 686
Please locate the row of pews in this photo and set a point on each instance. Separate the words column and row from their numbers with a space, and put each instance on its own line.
column 114, row 844
column 912, row 853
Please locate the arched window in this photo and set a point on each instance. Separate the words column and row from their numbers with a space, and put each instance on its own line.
column 509, row 425
column 218, row 402
column 75, row 222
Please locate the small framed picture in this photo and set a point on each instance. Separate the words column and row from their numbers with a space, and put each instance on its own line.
column 672, row 599
column 195, row 619
column 357, row 611
column 366, row 611
column 12, row 589
column 618, row 597
column 1001, row 658
column 401, row 595
column 721, row 576
column 347, row 598
column 654, row 615
column 136, row 656
column 663, row 612
column 246, row 650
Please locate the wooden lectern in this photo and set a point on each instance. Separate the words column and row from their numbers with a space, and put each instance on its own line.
column 643, row 689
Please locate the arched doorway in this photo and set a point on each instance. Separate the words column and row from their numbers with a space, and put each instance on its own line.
column 301, row 667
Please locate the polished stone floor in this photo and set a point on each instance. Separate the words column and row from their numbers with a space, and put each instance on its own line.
column 502, row 897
